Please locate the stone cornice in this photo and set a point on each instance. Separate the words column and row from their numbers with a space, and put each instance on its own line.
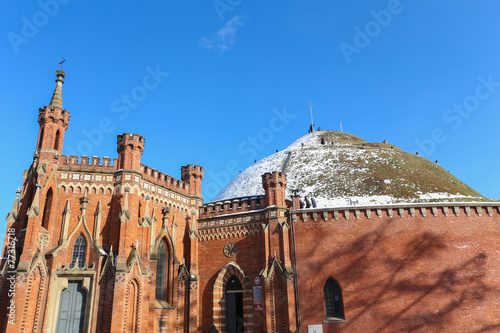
column 404, row 205
column 448, row 209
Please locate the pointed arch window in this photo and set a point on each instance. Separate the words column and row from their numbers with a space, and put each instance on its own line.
column 46, row 209
column 79, row 250
column 333, row 301
column 40, row 139
column 56, row 142
column 161, row 273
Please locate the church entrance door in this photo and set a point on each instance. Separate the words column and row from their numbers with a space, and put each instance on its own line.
column 71, row 315
column 234, row 306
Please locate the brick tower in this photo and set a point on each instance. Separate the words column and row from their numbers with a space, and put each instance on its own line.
column 130, row 148
column 274, row 185
column 54, row 121
column 193, row 175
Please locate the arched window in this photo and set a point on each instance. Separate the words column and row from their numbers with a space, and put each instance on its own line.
column 46, row 209
column 161, row 273
column 56, row 143
column 40, row 139
column 79, row 250
column 333, row 301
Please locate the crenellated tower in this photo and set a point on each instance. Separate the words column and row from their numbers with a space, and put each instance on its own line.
column 130, row 148
column 193, row 175
column 274, row 185
column 54, row 121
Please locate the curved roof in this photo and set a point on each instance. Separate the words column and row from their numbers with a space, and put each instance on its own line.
column 342, row 169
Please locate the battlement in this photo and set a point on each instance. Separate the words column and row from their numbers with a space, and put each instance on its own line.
column 50, row 114
column 274, row 177
column 235, row 205
column 193, row 175
column 88, row 163
column 190, row 168
column 131, row 138
column 108, row 164
column 163, row 179
column 429, row 210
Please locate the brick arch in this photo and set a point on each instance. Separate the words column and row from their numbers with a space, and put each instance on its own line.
column 277, row 285
column 133, row 302
column 34, row 292
column 219, row 312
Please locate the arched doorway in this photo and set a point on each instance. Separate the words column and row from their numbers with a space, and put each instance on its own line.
column 234, row 305
column 71, row 316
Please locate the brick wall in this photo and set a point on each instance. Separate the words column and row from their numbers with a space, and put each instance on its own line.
column 401, row 274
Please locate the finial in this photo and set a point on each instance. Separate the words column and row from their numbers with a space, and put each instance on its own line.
column 56, row 101
column 12, row 216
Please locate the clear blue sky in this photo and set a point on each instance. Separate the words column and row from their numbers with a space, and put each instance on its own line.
column 232, row 79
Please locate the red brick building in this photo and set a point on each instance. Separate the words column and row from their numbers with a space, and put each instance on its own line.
column 112, row 245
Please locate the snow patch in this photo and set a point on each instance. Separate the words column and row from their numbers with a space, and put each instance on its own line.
column 338, row 173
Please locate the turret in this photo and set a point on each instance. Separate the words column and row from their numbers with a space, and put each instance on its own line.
column 130, row 148
column 54, row 121
column 193, row 175
column 274, row 185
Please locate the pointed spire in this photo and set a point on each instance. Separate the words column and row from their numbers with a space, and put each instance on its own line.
column 152, row 230
column 65, row 224
column 83, row 202
column 146, row 220
column 125, row 214
column 34, row 209
column 66, row 208
column 174, row 236
column 56, row 101
column 98, row 210
column 193, row 234
column 97, row 224
column 146, row 213
column 165, row 210
column 125, row 202
column 12, row 216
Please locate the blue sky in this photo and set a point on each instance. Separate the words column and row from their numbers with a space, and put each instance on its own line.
column 221, row 83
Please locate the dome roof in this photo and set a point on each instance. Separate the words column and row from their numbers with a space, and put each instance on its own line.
column 342, row 169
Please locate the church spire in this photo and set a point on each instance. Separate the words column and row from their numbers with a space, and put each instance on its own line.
column 12, row 216
column 56, row 101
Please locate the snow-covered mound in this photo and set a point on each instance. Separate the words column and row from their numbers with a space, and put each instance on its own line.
column 341, row 169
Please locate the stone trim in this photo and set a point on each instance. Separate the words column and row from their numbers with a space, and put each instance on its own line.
column 218, row 307
column 436, row 209
column 59, row 283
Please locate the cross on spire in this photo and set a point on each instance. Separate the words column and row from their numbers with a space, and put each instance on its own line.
column 61, row 63
column 137, row 244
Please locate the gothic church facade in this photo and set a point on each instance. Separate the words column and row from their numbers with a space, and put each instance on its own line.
column 112, row 245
